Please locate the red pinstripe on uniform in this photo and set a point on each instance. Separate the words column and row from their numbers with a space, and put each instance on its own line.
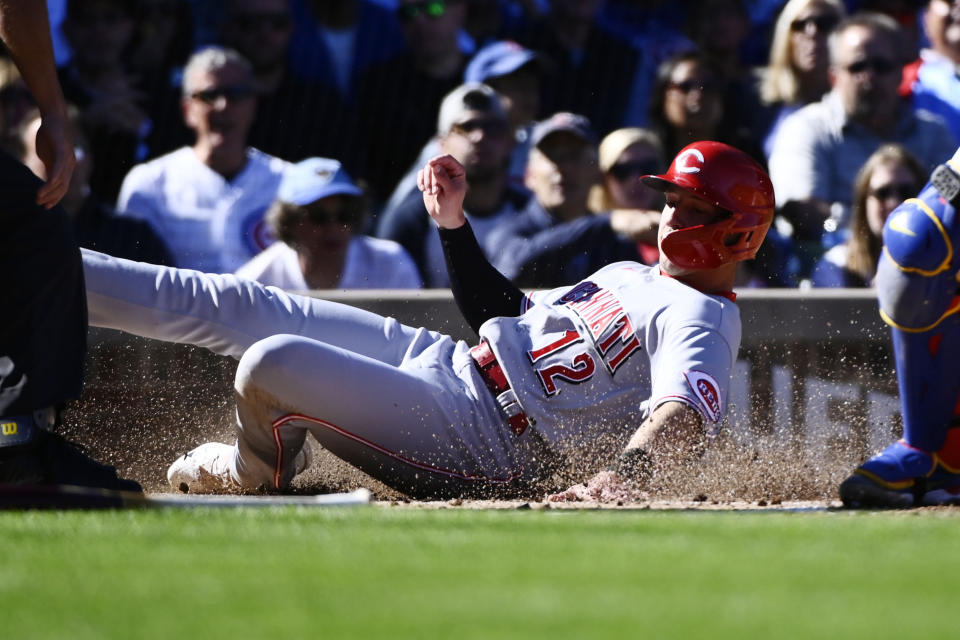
column 290, row 417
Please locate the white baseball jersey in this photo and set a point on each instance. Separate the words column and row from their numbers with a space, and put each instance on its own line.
column 370, row 263
column 208, row 222
column 607, row 351
column 409, row 406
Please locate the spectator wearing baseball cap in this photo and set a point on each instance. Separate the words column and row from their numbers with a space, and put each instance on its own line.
column 557, row 240
column 316, row 217
column 515, row 72
column 564, row 122
column 472, row 127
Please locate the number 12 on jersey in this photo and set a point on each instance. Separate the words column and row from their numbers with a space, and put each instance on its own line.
column 582, row 364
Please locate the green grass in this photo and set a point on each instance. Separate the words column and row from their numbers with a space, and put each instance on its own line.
column 385, row 572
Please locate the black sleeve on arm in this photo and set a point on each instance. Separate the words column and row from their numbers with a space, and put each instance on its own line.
column 481, row 291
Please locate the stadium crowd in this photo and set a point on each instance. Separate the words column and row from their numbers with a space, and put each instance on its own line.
column 209, row 130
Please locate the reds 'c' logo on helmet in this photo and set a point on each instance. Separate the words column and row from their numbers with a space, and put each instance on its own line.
column 689, row 161
column 730, row 179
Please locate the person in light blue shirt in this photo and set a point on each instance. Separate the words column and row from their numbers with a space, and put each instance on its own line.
column 820, row 148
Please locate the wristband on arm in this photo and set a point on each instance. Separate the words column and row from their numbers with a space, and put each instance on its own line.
column 947, row 183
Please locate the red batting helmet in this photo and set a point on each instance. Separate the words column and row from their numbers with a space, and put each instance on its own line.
column 731, row 180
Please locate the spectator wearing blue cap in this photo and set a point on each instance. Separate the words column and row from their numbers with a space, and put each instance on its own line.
column 316, row 217
column 515, row 73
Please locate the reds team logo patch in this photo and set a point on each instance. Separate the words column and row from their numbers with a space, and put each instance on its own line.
column 707, row 391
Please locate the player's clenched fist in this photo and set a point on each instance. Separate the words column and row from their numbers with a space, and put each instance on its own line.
column 443, row 182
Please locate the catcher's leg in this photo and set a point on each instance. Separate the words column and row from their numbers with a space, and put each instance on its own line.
column 917, row 287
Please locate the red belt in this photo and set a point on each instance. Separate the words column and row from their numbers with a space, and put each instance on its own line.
column 496, row 382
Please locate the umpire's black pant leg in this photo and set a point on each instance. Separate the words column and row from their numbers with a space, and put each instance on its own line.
column 43, row 326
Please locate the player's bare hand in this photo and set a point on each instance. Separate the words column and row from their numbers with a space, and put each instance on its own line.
column 443, row 182
column 55, row 149
column 605, row 487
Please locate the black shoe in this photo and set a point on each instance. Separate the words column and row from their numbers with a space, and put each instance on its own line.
column 49, row 459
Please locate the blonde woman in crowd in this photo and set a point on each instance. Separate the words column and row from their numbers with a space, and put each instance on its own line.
column 889, row 176
column 797, row 73
column 624, row 156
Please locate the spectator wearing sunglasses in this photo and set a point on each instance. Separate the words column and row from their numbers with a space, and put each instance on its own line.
column 720, row 29
column 933, row 79
column 473, row 127
column 624, row 156
column 207, row 200
column 798, row 72
column 890, row 176
column 820, row 148
column 316, row 219
column 296, row 117
column 688, row 106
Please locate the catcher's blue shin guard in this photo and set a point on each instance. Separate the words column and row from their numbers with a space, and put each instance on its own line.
column 917, row 286
column 893, row 478
column 902, row 476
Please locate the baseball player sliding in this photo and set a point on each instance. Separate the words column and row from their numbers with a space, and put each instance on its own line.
column 633, row 355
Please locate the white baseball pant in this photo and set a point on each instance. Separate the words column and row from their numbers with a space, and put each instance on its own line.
column 403, row 404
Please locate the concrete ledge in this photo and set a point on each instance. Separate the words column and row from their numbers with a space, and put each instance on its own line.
column 768, row 314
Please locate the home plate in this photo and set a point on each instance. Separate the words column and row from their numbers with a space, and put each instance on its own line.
column 353, row 498
column 21, row 497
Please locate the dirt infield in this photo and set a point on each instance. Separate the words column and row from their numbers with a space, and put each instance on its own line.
column 142, row 409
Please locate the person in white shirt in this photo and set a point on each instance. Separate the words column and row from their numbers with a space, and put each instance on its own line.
column 208, row 201
column 316, row 216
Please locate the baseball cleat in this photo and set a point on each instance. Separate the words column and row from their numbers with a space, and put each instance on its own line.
column 206, row 469
column 943, row 486
column 895, row 478
column 50, row 459
column 209, row 469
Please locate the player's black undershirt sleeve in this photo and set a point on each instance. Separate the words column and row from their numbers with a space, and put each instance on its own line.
column 481, row 291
